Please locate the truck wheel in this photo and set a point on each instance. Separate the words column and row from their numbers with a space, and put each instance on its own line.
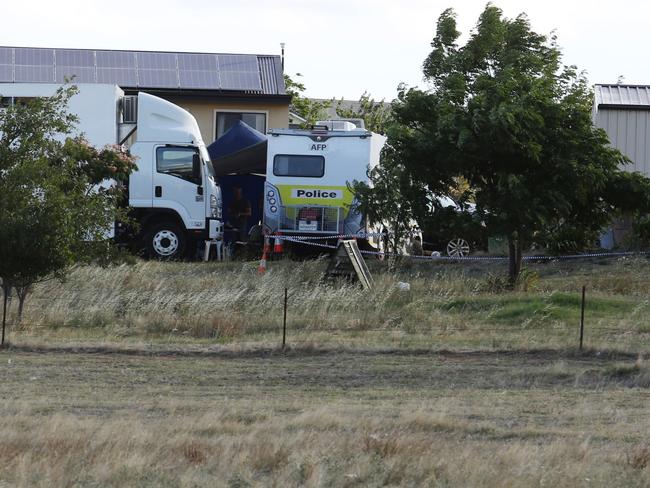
column 165, row 241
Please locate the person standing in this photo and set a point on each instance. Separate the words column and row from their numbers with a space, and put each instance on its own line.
column 239, row 211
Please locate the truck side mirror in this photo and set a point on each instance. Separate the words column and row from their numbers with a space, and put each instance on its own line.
column 196, row 167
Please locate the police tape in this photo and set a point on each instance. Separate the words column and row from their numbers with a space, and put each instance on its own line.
column 362, row 235
column 304, row 241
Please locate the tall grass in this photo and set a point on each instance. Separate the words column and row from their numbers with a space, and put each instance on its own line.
column 448, row 305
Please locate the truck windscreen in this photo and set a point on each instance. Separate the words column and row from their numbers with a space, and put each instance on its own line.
column 298, row 165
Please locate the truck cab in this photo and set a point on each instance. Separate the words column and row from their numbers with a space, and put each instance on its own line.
column 174, row 193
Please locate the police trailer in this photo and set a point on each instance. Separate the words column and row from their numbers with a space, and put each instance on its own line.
column 173, row 194
column 308, row 173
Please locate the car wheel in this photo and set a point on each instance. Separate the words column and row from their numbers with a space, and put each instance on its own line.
column 457, row 248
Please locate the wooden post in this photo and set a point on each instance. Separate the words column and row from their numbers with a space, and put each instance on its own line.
column 5, row 293
column 582, row 316
column 284, row 321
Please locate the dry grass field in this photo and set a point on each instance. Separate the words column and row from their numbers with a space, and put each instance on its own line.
column 324, row 418
column 170, row 374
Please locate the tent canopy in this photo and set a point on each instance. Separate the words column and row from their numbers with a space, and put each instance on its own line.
column 241, row 150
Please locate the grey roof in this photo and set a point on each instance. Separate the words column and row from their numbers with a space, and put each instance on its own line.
column 622, row 96
column 249, row 73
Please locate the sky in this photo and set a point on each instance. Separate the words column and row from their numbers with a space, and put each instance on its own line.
column 342, row 48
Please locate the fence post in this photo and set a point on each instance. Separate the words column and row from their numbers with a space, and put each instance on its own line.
column 582, row 316
column 5, row 298
column 284, row 321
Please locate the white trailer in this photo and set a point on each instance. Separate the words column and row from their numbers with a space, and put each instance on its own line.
column 308, row 175
column 173, row 194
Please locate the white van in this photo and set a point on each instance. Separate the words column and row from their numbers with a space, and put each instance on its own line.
column 308, row 173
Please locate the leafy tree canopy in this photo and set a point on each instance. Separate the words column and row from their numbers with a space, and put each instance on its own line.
column 504, row 115
column 53, row 211
column 376, row 115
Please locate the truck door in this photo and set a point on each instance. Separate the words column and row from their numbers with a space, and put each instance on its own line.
column 176, row 187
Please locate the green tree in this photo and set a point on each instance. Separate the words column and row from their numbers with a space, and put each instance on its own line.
column 503, row 114
column 307, row 108
column 376, row 115
column 384, row 204
column 53, row 212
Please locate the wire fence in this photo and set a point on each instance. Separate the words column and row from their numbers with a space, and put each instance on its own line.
column 294, row 319
column 317, row 242
column 263, row 308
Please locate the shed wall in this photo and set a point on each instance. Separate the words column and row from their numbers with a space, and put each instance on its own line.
column 629, row 132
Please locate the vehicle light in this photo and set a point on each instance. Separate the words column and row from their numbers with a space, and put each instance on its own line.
column 271, row 193
column 272, row 201
column 274, row 209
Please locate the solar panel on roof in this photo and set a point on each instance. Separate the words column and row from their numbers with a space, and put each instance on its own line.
column 142, row 69
column 240, row 81
column 158, row 78
column 6, row 55
column 81, row 74
column 115, row 59
column 200, row 62
column 122, row 77
column 34, row 74
column 239, row 72
column 156, row 61
column 6, row 73
column 74, row 57
column 208, row 80
column 26, row 56
column 237, row 62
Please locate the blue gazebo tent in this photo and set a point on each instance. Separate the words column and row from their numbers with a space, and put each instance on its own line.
column 241, row 150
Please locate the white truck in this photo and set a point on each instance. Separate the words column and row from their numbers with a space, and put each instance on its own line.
column 307, row 176
column 173, row 194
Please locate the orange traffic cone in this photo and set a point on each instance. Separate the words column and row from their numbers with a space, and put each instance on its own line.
column 277, row 248
column 267, row 246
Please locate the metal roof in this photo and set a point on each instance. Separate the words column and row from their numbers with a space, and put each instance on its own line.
column 622, row 96
column 248, row 73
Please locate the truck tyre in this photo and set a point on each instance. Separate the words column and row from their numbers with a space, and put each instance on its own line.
column 165, row 241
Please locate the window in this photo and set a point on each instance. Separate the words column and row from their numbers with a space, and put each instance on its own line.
column 225, row 120
column 176, row 161
column 6, row 102
column 297, row 165
column 23, row 100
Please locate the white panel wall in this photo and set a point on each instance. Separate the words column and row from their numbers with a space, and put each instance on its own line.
column 629, row 132
column 96, row 105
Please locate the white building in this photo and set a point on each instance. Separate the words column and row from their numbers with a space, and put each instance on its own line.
column 623, row 111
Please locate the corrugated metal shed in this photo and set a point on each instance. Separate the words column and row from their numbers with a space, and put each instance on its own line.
column 633, row 96
column 623, row 111
column 245, row 73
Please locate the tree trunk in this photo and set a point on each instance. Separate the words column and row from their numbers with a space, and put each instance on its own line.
column 22, row 292
column 515, row 251
column 5, row 298
column 520, row 253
